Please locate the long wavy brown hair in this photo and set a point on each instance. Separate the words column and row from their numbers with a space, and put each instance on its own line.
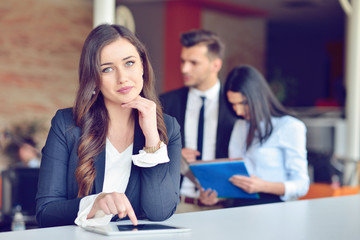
column 90, row 112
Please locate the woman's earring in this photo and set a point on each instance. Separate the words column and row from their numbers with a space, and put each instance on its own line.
column 93, row 93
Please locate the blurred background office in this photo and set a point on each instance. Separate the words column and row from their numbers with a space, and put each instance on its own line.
column 299, row 45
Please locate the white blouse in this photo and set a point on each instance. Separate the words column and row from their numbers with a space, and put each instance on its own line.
column 281, row 158
column 117, row 170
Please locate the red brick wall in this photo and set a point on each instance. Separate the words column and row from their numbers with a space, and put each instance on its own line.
column 40, row 44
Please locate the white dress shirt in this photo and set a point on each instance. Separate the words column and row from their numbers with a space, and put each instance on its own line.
column 116, row 178
column 192, row 112
column 281, row 158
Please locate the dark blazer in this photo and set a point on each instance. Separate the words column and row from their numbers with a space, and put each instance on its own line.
column 153, row 192
column 174, row 104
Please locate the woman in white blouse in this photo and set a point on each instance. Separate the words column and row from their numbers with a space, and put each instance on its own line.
column 271, row 142
column 114, row 154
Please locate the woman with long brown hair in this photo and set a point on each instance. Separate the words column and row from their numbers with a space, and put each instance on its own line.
column 114, row 154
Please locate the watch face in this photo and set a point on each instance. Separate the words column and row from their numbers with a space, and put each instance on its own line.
column 125, row 18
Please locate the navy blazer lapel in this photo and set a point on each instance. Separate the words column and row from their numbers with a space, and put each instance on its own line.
column 139, row 138
column 181, row 118
column 222, row 107
column 174, row 103
column 139, row 143
column 100, row 171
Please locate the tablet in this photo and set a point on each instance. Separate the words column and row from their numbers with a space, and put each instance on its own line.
column 129, row 229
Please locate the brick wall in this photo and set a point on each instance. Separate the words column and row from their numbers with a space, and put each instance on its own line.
column 40, row 44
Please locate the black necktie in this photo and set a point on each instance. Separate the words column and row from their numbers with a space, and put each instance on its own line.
column 201, row 129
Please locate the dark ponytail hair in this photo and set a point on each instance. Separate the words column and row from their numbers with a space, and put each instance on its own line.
column 261, row 101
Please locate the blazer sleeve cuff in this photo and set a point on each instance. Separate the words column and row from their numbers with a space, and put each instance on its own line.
column 146, row 160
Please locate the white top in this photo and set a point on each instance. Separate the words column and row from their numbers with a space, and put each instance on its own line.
column 117, row 170
column 282, row 158
column 211, row 113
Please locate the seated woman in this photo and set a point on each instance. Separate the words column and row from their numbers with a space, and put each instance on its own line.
column 114, row 154
column 271, row 142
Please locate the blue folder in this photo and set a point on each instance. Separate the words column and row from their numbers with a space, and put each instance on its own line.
column 216, row 174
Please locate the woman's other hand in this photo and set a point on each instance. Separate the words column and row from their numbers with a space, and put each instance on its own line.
column 254, row 184
column 113, row 203
column 251, row 184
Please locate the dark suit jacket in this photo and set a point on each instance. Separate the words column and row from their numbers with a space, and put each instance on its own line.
column 174, row 104
column 153, row 192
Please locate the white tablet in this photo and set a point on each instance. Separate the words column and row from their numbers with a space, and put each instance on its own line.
column 129, row 229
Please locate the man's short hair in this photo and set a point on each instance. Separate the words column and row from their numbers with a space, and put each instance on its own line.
column 215, row 45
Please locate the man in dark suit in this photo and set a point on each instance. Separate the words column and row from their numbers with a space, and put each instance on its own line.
column 201, row 61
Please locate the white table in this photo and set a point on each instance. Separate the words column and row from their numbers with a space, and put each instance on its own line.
column 336, row 218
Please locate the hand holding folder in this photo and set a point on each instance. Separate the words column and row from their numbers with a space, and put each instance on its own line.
column 215, row 175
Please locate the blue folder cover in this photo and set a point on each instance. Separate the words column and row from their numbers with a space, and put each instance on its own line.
column 216, row 174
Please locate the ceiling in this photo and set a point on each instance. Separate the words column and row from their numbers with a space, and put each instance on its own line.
column 297, row 10
column 305, row 11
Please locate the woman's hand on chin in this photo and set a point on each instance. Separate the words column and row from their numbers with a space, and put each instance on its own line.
column 147, row 118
